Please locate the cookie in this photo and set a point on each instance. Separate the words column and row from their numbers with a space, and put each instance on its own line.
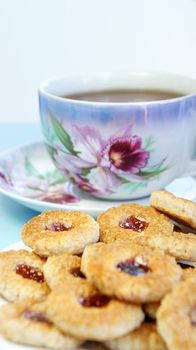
column 180, row 209
column 63, row 272
column 176, row 317
column 145, row 337
column 151, row 309
column 132, row 219
column 180, row 245
column 130, row 272
column 58, row 231
column 92, row 316
column 22, row 276
column 146, row 226
column 25, row 322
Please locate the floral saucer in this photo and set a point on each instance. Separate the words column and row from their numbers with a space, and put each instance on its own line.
column 28, row 176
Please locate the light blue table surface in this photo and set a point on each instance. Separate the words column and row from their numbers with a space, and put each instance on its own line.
column 12, row 214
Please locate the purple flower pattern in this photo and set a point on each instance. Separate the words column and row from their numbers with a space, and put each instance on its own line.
column 99, row 165
column 26, row 180
column 125, row 155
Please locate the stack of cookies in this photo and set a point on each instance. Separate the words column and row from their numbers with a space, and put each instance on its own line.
column 125, row 281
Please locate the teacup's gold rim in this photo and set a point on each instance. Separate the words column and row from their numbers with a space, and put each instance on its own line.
column 102, row 75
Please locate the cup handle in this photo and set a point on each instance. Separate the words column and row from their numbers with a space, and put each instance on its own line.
column 191, row 171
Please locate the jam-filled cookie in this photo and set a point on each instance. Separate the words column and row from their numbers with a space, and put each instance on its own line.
column 21, row 276
column 130, row 272
column 63, row 272
column 146, row 226
column 177, row 316
column 25, row 322
column 92, row 316
column 58, row 231
column 145, row 337
column 130, row 219
column 182, row 210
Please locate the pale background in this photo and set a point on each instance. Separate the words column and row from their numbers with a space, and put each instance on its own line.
column 40, row 39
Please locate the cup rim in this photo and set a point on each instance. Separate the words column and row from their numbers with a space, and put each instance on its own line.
column 106, row 75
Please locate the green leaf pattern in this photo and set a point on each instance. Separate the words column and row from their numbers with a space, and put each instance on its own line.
column 63, row 136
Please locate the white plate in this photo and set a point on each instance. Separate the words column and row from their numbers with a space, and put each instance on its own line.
column 28, row 176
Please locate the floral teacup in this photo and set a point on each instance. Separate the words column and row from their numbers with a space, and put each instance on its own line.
column 120, row 150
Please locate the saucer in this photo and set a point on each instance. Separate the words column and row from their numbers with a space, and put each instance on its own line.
column 28, row 176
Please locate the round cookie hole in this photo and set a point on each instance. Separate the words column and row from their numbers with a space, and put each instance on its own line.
column 133, row 267
column 29, row 272
column 134, row 223
column 94, row 300
column 57, row 226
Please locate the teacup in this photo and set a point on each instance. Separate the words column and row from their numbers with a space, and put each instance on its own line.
column 120, row 150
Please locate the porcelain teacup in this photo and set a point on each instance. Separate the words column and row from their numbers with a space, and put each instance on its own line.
column 120, row 150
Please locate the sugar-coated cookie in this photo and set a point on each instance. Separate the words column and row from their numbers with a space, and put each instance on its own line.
column 131, row 219
column 25, row 322
column 178, row 244
column 176, row 316
column 92, row 316
column 182, row 210
column 59, row 231
column 146, row 226
column 130, row 272
column 21, row 276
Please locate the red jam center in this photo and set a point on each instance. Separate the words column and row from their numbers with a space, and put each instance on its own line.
column 134, row 223
column 133, row 267
column 58, row 227
column 95, row 300
column 36, row 316
column 193, row 316
column 29, row 272
column 77, row 273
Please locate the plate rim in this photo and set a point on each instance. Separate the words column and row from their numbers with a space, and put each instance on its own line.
column 92, row 210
